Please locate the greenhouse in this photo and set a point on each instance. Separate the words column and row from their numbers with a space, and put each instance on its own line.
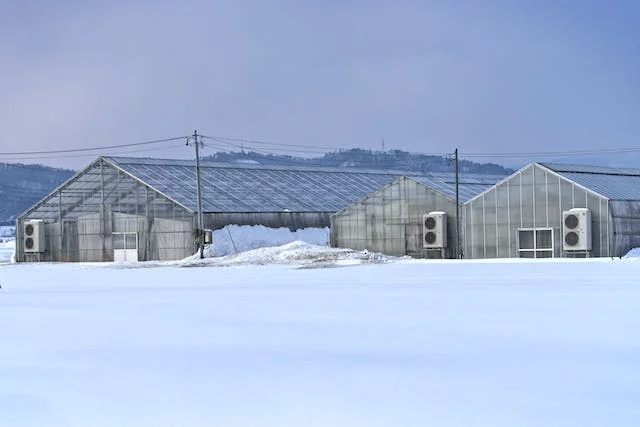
column 145, row 209
column 552, row 210
column 391, row 220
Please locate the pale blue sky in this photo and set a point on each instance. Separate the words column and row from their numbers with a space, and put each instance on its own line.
column 427, row 76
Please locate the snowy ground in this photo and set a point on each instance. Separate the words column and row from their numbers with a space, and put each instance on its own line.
column 385, row 343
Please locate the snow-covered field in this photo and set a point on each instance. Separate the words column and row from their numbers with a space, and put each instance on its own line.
column 372, row 342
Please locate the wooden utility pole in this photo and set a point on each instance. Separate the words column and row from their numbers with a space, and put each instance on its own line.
column 458, row 240
column 196, row 143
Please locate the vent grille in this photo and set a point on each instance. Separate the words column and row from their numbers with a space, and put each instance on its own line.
column 430, row 223
column 571, row 238
column 571, row 222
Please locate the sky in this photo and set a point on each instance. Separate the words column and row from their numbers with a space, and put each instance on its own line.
column 422, row 76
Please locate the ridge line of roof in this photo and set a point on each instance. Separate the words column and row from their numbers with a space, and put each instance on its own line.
column 591, row 170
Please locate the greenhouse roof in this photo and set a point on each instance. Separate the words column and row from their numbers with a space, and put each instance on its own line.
column 254, row 188
column 260, row 188
column 469, row 186
column 613, row 183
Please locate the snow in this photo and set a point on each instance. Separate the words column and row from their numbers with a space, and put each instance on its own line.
column 399, row 342
column 7, row 242
column 633, row 253
column 7, row 247
column 298, row 253
column 233, row 238
column 7, row 231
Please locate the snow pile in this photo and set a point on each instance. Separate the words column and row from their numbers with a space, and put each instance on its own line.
column 7, row 231
column 297, row 252
column 7, row 248
column 633, row 253
column 234, row 239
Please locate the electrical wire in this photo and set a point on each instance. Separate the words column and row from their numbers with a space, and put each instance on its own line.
column 263, row 150
column 266, row 147
column 146, row 150
column 246, row 144
column 555, row 153
column 472, row 154
column 80, row 150
column 259, row 142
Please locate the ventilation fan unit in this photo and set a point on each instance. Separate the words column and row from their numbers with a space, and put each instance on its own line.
column 434, row 227
column 33, row 236
column 576, row 230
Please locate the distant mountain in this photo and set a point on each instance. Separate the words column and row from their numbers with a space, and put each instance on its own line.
column 21, row 186
column 370, row 159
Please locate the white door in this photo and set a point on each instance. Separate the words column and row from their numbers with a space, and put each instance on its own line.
column 125, row 247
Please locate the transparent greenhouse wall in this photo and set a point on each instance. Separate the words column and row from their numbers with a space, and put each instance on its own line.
column 390, row 220
column 532, row 198
column 626, row 220
column 82, row 216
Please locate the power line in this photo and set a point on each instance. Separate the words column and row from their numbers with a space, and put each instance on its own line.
column 259, row 142
column 315, row 148
column 240, row 143
column 80, row 150
column 310, row 148
column 244, row 144
column 145, row 150
column 556, row 153
column 267, row 147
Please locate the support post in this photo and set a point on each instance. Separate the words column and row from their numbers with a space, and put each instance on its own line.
column 458, row 240
column 196, row 143
column 60, row 227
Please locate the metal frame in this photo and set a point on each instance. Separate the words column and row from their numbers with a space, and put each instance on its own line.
column 124, row 234
column 535, row 249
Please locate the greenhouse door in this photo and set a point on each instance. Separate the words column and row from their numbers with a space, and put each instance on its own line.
column 125, row 247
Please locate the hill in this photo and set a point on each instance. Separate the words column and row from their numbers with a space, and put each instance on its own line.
column 359, row 158
column 21, row 186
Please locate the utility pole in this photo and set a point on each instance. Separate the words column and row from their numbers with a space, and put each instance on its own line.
column 196, row 143
column 458, row 249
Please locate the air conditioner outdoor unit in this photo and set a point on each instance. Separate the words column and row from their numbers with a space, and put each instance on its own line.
column 576, row 230
column 33, row 236
column 434, row 230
